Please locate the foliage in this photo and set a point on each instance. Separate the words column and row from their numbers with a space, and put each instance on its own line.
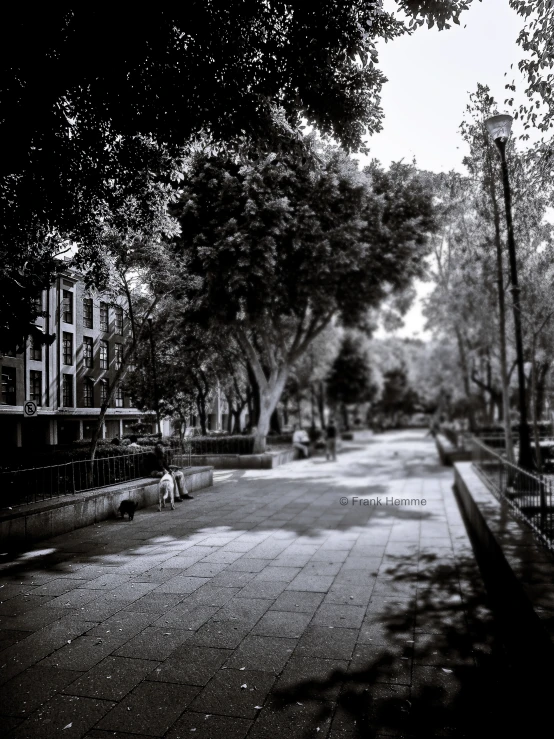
column 349, row 379
column 86, row 130
column 277, row 248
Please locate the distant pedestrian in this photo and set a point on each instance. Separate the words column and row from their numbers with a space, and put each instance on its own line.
column 331, row 441
column 301, row 441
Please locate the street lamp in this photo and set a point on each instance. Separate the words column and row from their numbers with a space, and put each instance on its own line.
column 499, row 127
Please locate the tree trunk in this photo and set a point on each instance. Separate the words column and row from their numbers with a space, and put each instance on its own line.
column 269, row 397
column 255, row 396
column 201, row 405
column 465, row 378
column 321, row 403
column 344, row 411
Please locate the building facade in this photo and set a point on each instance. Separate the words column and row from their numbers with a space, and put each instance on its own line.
column 69, row 379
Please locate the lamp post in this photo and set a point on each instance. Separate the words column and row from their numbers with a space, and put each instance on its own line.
column 499, row 127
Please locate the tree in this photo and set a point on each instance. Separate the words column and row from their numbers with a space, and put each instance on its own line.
column 277, row 248
column 136, row 273
column 349, row 379
column 88, row 129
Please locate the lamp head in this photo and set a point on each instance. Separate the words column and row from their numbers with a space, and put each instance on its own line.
column 499, row 127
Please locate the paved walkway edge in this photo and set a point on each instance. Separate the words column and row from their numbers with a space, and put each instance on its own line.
column 25, row 525
column 517, row 572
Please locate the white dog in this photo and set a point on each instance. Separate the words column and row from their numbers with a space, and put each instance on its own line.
column 166, row 489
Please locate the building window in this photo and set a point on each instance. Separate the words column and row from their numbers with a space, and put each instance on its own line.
column 118, row 356
column 67, row 348
column 35, row 386
column 118, row 320
column 8, row 385
column 67, row 306
column 104, row 326
column 87, row 351
column 36, row 350
column 104, row 388
column 67, row 391
column 104, row 358
column 87, row 312
column 119, row 397
column 88, row 392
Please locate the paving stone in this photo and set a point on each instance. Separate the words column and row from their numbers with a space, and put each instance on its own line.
column 151, row 708
column 296, row 601
column 206, row 726
column 182, row 584
column 311, row 678
column 225, row 695
column 311, row 583
column 22, row 603
column 317, row 641
column 190, row 665
column 339, row 616
column 112, row 678
column 12, row 636
column 187, row 617
column 268, row 589
column 219, row 634
column 74, row 599
column 41, row 643
column 248, row 565
column 243, row 612
column 64, row 715
column 307, row 718
column 383, row 664
column 155, row 602
column 158, row 574
column 30, row 689
column 265, row 653
column 35, row 619
column 286, row 574
column 282, row 623
column 154, row 643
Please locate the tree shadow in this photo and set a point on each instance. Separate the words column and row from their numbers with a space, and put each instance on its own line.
column 434, row 666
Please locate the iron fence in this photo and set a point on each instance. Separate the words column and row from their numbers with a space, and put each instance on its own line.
column 22, row 487
column 529, row 495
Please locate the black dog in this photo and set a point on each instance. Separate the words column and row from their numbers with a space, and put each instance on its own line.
column 127, row 506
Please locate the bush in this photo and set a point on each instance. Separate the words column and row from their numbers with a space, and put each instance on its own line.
column 201, row 445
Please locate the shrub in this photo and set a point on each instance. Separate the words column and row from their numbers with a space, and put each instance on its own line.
column 201, row 445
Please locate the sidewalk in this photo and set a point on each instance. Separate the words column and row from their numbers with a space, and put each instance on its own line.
column 274, row 603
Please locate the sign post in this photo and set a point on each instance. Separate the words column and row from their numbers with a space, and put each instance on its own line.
column 30, row 409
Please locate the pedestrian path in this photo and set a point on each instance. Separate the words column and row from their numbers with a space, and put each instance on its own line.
column 318, row 599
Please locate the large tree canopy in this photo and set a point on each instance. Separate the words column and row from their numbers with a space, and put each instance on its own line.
column 278, row 248
column 96, row 102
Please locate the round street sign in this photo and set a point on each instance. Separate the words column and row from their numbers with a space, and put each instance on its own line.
column 30, row 408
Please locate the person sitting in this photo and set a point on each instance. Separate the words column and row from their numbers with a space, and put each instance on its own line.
column 163, row 467
column 301, row 441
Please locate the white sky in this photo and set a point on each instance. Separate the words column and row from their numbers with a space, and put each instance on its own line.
column 430, row 76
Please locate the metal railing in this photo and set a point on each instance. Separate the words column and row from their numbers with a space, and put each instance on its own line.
column 22, row 487
column 529, row 495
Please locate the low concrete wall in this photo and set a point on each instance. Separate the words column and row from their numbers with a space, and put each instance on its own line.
column 26, row 524
column 517, row 571
column 448, row 453
column 266, row 461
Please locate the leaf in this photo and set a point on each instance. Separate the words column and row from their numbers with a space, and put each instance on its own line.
column 68, row 726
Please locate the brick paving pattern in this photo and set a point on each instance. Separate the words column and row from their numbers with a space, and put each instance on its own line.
column 264, row 607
